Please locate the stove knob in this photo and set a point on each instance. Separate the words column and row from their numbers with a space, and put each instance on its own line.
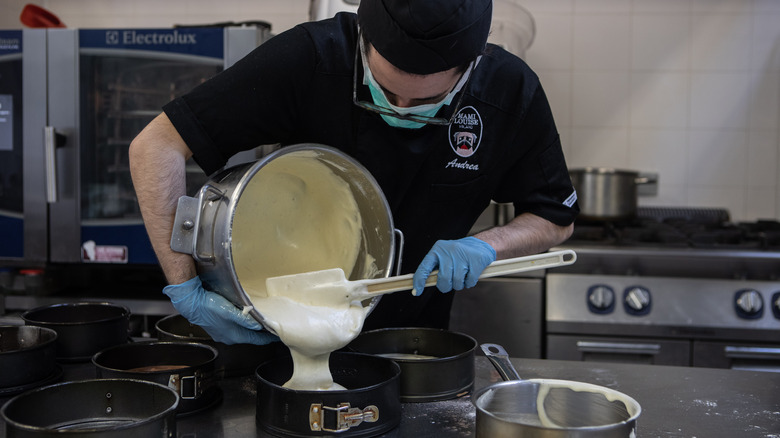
column 776, row 305
column 749, row 304
column 601, row 299
column 637, row 300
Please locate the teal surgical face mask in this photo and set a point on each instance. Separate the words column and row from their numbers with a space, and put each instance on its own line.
column 426, row 110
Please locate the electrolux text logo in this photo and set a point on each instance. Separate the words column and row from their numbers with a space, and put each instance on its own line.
column 10, row 43
column 149, row 38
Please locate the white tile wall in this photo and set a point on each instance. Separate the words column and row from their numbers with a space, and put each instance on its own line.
column 658, row 100
column 719, row 99
column 600, row 99
column 660, row 42
column 602, row 42
column 721, row 42
column 689, row 89
column 648, row 149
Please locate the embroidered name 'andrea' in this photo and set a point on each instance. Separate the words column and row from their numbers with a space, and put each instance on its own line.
column 464, row 165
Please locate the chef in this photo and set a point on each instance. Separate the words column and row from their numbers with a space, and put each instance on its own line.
column 410, row 88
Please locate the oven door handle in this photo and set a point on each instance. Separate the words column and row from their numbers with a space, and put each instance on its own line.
column 618, row 347
column 751, row 352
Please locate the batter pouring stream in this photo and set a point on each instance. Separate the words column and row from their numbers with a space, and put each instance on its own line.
column 296, row 215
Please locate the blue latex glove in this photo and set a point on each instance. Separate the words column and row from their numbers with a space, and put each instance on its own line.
column 214, row 313
column 460, row 262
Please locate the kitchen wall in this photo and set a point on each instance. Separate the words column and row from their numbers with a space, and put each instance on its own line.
column 688, row 89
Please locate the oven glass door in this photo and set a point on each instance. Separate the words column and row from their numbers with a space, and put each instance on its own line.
column 120, row 95
column 123, row 87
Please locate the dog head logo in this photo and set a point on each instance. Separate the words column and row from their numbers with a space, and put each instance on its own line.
column 466, row 132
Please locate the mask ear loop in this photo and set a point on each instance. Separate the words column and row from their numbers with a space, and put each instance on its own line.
column 465, row 77
column 367, row 76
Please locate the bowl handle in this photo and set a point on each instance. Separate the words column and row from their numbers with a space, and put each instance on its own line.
column 184, row 237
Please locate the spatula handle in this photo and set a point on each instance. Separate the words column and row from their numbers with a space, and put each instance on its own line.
column 380, row 286
column 529, row 263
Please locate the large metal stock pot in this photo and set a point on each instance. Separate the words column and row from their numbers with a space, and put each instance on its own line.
column 203, row 225
column 606, row 193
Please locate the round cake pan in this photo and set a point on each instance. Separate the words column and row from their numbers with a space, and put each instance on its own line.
column 370, row 405
column 187, row 368
column 233, row 360
column 83, row 328
column 108, row 408
column 435, row 364
column 28, row 357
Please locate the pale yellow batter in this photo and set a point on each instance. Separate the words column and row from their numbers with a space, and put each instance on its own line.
column 541, row 418
column 312, row 333
column 545, row 385
column 294, row 216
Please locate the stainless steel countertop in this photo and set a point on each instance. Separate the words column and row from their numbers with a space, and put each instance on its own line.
column 676, row 401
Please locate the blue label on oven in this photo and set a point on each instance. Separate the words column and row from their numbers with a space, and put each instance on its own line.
column 207, row 41
column 10, row 42
column 132, row 238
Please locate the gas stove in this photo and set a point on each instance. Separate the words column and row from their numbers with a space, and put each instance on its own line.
column 670, row 286
column 678, row 242
column 681, row 228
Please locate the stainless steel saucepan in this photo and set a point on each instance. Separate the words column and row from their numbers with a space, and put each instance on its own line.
column 607, row 193
column 550, row 408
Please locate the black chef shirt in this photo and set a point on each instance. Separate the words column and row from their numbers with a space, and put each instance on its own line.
column 297, row 88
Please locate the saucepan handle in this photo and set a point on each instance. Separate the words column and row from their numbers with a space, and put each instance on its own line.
column 500, row 360
column 645, row 179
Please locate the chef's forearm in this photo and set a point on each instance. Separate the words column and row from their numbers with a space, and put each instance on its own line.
column 525, row 235
column 157, row 160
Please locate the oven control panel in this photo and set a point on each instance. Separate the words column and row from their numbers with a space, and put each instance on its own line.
column 663, row 301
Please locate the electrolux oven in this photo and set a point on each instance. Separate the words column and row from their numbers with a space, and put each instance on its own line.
column 72, row 100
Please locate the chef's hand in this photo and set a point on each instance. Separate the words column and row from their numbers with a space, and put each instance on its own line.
column 460, row 262
column 214, row 313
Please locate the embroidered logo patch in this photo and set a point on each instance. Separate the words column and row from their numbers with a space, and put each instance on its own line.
column 466, row 132
column 571, row 199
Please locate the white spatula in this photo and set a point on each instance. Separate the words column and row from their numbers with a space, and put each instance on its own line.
column 330, row 287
